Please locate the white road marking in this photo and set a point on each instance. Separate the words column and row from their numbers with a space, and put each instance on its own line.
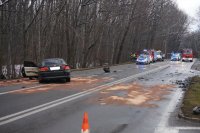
column 163, row 126
column 34, row 110
column 187, row 128
column 170, row 108
column 7, row 92
column 166, row 130
column 174, row 129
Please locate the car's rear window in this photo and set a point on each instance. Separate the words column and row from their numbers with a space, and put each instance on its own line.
column 142, row 56
column 51, row 62
column 159, row 53
column 175, row 54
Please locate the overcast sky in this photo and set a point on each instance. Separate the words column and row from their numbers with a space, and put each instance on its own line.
column 190, row 7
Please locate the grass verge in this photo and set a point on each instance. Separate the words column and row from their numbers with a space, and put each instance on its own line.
column 192, row 98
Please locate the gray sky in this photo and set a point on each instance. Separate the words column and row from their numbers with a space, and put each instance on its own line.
column 190, row 7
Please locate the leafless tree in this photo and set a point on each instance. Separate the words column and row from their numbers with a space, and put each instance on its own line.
column 87, row 33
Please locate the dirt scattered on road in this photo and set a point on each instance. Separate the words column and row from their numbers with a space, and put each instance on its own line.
column 76, row 83
column 16, row 82
column 37, row 89
column 87, row 80
column 135, row 94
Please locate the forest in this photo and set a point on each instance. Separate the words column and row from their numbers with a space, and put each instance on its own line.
column 88, row 33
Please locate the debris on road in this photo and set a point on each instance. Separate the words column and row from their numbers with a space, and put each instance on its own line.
column 11, row 82
column 184, row 84
column 106, row 68
column 134, row 94
column 196, row 110
column 192, row 98
column 140, row 78
column 76, row 82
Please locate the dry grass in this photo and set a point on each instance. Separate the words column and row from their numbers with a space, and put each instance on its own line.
column 192, row 98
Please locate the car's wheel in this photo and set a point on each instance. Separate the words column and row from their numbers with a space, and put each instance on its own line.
column 23, row 72
column 191, row 61
column 68, row 79
column 64, row 80
column 41, row 81
column 30, row 78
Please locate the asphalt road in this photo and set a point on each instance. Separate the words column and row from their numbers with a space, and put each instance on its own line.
column 130, row 99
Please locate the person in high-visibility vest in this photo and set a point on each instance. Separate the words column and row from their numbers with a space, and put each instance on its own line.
column 133, row 56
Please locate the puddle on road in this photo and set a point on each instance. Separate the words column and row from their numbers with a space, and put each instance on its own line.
column 135, row 94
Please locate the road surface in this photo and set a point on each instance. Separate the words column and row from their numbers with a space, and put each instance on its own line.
column 130, row 99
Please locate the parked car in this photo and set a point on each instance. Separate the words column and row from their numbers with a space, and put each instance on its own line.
column 187, row 55
column 148, row 53
column 175, row 56
column 152, row 53
column 54, row 68
column 30, row 70
column 143, row 59
column 159, row 55
column 155, row 56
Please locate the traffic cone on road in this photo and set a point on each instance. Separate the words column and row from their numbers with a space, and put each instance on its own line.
column 85, row 125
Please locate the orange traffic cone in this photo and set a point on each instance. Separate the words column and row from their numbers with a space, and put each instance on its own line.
column 85, row 125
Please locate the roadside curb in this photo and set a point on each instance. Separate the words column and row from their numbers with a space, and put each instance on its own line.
column 72, row 70
column 83, row 69
column 195, row 66
column 181, row 115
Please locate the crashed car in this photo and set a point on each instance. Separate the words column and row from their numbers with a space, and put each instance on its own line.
column 159, row 55
column 54, row 68
column 143, row 59
column 175, row 57
column 29, row 70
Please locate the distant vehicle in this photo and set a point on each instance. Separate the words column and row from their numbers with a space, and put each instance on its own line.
column 143, row 59
column 30, row 70
column 175, row 56
column 155, row 56
column 187, row 55
column 148, row 53
column 159, row 55
column 54, row 68
column 152, row 55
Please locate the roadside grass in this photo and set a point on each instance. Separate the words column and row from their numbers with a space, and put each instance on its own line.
column 192, row 98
